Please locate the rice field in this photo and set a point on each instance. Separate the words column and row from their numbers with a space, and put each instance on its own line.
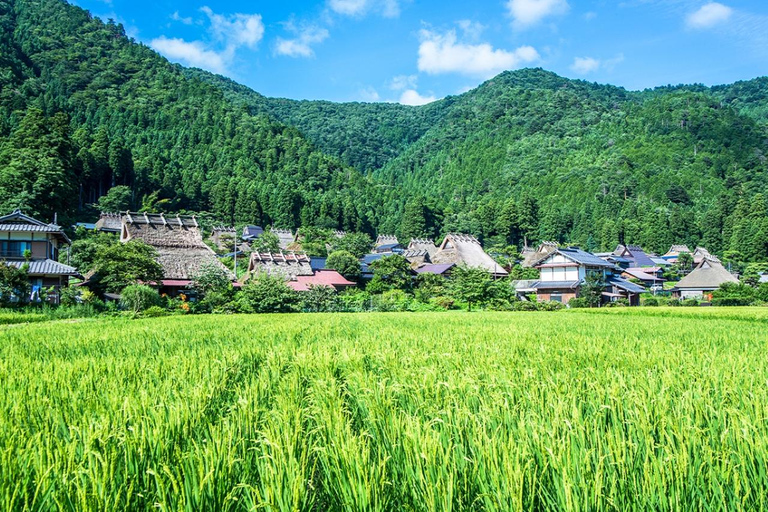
column 637, row 409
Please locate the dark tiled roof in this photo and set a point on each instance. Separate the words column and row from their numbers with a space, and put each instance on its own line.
column 555, row 285
column 435, row 269
column 584, row 257
column 46, row 267
column 625, row 285
column 252, row 231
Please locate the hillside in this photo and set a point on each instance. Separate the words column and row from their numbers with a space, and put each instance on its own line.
column 526, row 156
column 84, row 108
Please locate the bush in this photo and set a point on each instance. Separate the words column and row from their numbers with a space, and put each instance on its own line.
column 393, row 301
column 689, row 302
column 267, row 294
column 649, row 301
column 732, row 301
column 442, row 301
column 618, row 303
column 154, row 312
column 319, row 299
column 674, row 303
column 551, row 305
column 354, row 300
column 344, row 263
column 578, row 303
column 139, row 297
column 524, row 305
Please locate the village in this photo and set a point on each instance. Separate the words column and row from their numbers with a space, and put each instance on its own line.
column 548, row 274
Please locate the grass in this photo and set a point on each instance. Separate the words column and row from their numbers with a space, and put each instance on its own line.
column 631, row 409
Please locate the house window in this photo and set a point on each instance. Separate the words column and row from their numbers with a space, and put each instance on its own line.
column 14, row 249
column 556, row 297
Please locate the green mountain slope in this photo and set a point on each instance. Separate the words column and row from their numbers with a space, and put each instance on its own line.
column 84, row 108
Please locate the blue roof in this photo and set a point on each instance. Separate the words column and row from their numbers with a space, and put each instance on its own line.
column 367, row 260
column 388, row 247
column 317, row 262
column 252, row 231
column 639, row 257
column 584, row 257
column 625, row 285
column 86, row 225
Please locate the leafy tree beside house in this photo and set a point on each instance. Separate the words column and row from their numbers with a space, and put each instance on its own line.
column 471, row 285
column 267, row 294
column 592, row 289
column 390, row 273
column 344, row 263
column 14, row 285
column 121, row 264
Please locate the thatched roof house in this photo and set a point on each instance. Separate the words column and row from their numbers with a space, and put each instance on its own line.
column 178, row 242
column 284, row 236
column 422, row 244
column 288, row 265
column 109, row 222
column 707, row 277
column 532, row 256
column 466, row 249
column 224, row 237
column 675, row 251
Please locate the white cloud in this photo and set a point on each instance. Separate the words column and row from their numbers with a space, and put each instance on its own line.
column 369, row 94
column 589, row 16
column 402, row 82
column 412, row 97
column 301, row 45
column 708, row 16
column 387, row 8
column 236, row 30
column 529, row 12
column 472, row 30
column 442, row 53
column 585, row 65
column 177, row 17
column 191, row 53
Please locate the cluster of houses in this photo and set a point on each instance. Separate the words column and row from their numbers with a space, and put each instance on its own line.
column 627, row 272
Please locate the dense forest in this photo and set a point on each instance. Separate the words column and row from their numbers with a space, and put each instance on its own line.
column 91, row 119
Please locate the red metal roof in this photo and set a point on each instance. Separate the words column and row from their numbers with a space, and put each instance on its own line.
column 320, row 278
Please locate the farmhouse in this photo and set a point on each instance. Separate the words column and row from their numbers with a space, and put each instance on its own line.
column 533, row 256
column 288, row 265
column 674, row 252
column 325, row 277
column 563, row 271
column 22, row 239
column 461, row 249
column 179, row 245
column 648, row 276
column 707, row 277
column 251, row 232
column 109, row 223
column 387, row 243
column 635, row 254
column 224, row 238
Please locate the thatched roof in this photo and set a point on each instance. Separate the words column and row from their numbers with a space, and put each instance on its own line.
column 386, row 240
column 423, row 244
column 700, row 253
column 466, row 249
column 709, row 274
column 416, row 257
column 284, row 235
column 177, row 240
column 675, row 250
column 533, row 256
column 110, row 222
column 288, row 265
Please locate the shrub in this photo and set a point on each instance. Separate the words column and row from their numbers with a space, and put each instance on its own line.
column 578, row 303
column 139, row 297
column 551, row 305
column 344, row 263
column 689, row 302
column 267, row 294
column 442, row 301
column 732, row 301
column 524, row 305
column 649, row 301
column 392, row 301
column 319, row 299
column 154, row 312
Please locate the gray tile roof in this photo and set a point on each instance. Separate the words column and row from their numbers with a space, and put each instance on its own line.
column 584, row 257
column 625, row 285
column 46, row 267
column 50, row 228
column 555, row 285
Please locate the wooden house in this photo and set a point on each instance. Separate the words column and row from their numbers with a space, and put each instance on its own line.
column 648, row 276
column 707, row 277
column 635, row 254
column 25, row 239
column 674, row 252
column 387, row 244
column 251, row 232
column 700, row 254
column 178, row 241
column 420, row 251
column 563, row 272
column 461, row 249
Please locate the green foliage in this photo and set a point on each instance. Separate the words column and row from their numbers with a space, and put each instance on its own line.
column 117, row 199
column 139, row 297
column 265, row 293
column 733, row 294
column 345, row 263
column 83, row 251
column 319, row 299
column 210, row 278
column 592, row 289
column 14, row 285
column 358, row 244
column 390, row 273
column 267, row 242
column 122, row 264
column 471, row 285
column 578, row 303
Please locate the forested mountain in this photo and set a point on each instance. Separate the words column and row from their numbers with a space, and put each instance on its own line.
column 84, row 108
column 526, row 156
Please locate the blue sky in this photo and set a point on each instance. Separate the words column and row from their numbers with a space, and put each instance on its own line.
column 414, row 51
